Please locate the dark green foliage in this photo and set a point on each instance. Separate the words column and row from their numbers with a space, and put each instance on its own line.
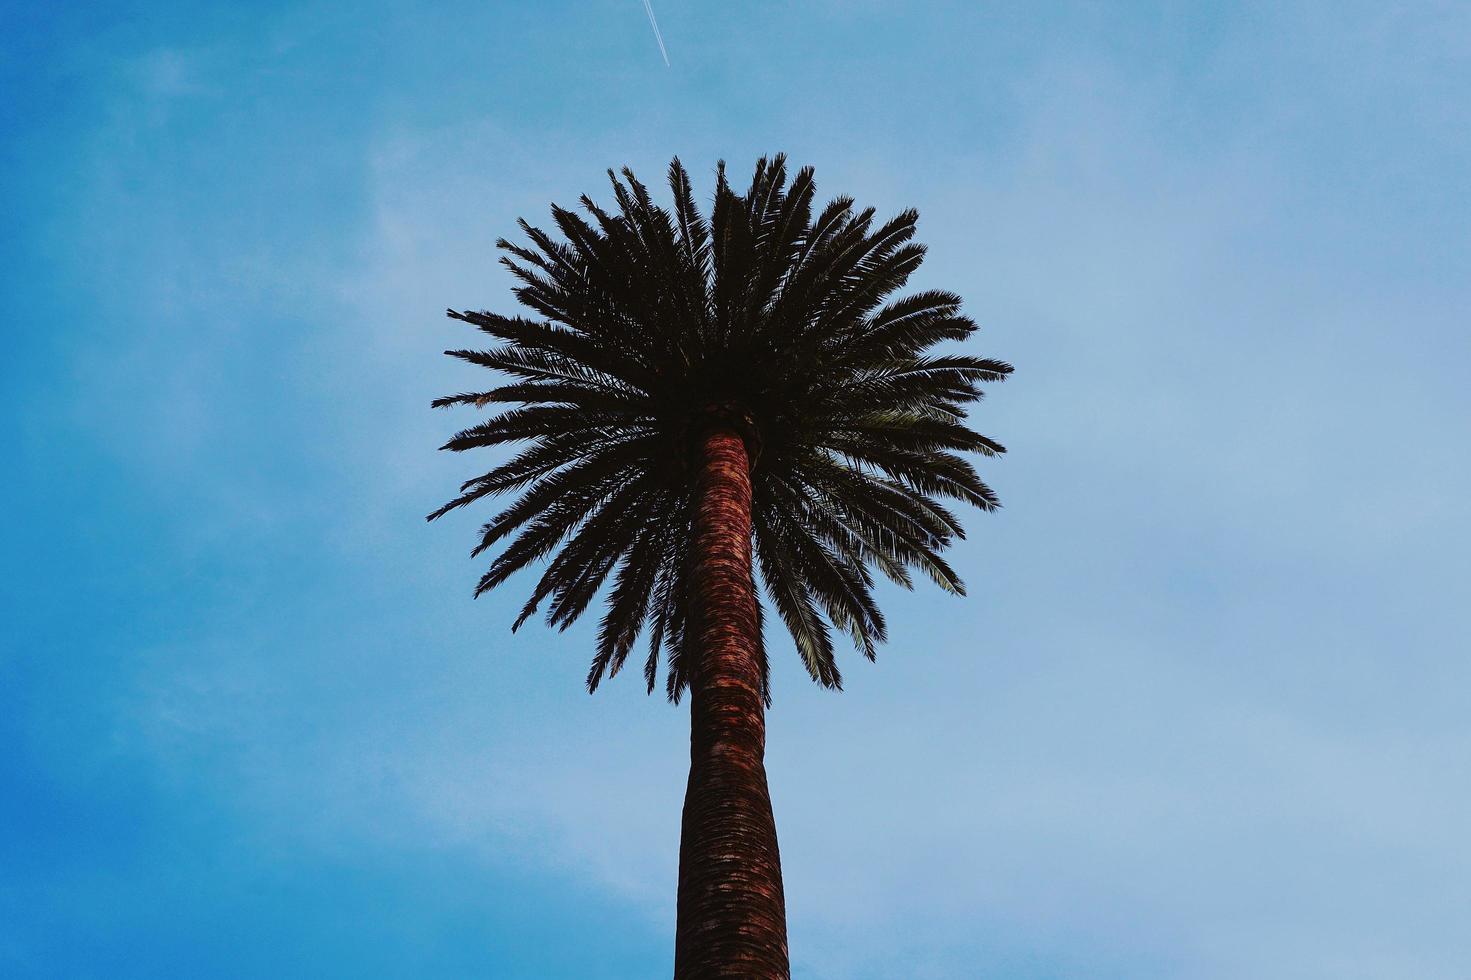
column 657, row 324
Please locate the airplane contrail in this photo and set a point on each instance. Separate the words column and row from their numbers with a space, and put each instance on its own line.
column 649, row 9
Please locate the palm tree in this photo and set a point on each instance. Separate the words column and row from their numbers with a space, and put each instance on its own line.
column 695, row 392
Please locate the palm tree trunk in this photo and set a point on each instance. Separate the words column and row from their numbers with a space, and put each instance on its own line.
column 731, row 911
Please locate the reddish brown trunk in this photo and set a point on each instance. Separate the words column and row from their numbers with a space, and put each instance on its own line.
column 731, row 911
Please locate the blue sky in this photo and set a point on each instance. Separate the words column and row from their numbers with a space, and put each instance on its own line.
column 1204, row 715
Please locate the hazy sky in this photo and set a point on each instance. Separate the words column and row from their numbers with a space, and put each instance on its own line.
column 1204, row 715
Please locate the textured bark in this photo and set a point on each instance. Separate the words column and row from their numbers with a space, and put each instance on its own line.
column 731, row 911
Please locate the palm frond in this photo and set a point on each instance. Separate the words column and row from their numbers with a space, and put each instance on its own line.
column 641, row 319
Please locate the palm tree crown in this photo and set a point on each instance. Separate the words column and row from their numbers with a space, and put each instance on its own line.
column 769, row 319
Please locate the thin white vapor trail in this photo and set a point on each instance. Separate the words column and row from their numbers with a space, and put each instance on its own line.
column 649, row 9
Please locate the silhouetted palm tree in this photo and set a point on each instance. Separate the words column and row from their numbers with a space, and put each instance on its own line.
column 695, row 389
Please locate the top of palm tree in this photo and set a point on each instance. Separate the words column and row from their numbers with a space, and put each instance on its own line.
column 654, row 325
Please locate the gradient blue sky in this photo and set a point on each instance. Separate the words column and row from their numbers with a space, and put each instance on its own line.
column 1205, row 715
